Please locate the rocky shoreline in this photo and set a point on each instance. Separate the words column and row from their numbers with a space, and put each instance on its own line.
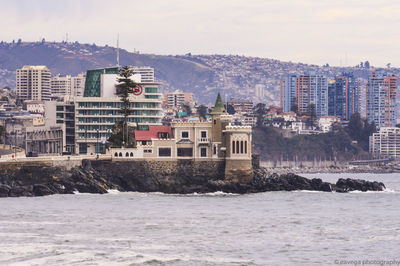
column 99, row 178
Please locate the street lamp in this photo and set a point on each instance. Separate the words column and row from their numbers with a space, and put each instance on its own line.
column 97, row 144
column 86, row 140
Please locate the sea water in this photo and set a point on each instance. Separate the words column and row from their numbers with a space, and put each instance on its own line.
column 272, row 228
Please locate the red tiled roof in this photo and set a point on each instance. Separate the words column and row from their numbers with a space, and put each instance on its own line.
column 152, row 132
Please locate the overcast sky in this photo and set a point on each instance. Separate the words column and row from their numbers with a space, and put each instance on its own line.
column 319, row 32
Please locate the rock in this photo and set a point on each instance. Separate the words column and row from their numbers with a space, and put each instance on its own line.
column 4, row 190
column 326, row 187
column 18, row 191
column 42, row 190
column 346, row 185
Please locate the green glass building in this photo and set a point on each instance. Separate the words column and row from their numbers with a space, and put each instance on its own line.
column 99, row 109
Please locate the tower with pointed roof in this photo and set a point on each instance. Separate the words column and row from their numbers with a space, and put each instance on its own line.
column 220, row 119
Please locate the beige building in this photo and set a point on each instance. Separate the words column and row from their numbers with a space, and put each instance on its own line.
column 217, row 140
column 33, row 83
column 71, row 86
column 385, row 143
column 35, row 107
column 178, row 98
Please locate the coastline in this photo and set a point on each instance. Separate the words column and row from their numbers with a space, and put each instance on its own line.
column 143, row 176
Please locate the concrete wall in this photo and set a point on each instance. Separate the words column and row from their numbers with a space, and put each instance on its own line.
column 301, row 164
column 166, row 168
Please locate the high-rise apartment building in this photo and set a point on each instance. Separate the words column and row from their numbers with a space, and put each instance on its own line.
column 66, row 85
column 100, row 108
column 260, row 91
column 305, row 91
column 288, row 92
column 343, row 96
column 146, row 73
column 385, row 143
column 33, row 83
column 381, row 99
column 178, row 98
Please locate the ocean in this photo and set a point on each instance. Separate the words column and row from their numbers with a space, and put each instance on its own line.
column 271, row 228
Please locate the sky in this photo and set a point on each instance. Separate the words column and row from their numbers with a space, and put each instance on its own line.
column 338, row 32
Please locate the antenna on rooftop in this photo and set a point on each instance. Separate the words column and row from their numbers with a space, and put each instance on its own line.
column 118, row 50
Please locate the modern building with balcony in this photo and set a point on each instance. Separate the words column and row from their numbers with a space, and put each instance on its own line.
column 99, row 109
column 343, row 96
column 385, row 143
column 381, row 99
column 33, row 83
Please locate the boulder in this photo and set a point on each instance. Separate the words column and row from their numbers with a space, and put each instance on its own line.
column 348, row 184
column 42, row 190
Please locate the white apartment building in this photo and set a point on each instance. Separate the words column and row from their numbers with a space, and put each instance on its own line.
column 260, row 91
column 33, row 83
column 385, row 143
column 178, row 98
column 66, row 85
column 99, row 109
column 146, row 73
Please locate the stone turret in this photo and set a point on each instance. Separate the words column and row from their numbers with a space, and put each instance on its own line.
column 233, row 143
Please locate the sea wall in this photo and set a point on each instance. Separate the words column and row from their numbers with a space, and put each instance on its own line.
column 168, row 176
column 302, row 164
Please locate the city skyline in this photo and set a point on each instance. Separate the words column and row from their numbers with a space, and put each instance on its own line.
column 341, row 33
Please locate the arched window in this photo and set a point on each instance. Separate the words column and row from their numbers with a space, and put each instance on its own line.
column 131, row 154
column 237, row 147
column 116, row 154
column 233, row 146
column 245, row 146
column 120, row 154
column 127, row 154
column 241, row 146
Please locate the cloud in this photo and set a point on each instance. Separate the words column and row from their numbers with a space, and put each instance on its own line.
column 298, row 30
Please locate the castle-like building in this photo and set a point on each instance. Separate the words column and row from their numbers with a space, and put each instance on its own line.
column 217, row 140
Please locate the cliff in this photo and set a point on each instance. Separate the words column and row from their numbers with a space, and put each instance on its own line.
column 100, row 176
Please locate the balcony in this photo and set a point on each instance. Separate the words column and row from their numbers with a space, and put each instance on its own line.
column 203, row 140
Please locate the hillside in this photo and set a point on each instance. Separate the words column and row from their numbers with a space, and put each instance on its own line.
column 272, row 145
column 205, row 75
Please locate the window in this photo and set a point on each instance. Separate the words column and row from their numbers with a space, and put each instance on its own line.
column 184, row 134
column 162, row 135
column 237, row 146
column 147, row 151
column 233, row 147
column 127, row 154
column 164, row 152
column 120, row 154
column 116, row 154
column 215, row 121
column 241, row 146
column 150, row 90
column 245, row 147
column 131, row 154
column 203, row 152
column 203, row 134
column 215, row 149
column 185, row 152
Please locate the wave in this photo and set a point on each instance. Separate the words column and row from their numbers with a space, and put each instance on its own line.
column 387, row 190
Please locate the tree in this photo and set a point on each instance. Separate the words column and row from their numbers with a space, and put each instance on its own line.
column 355, row 127
column 230, row 109
column 259, row 111
column 124, row 88
column 294, row 107
column 366, row 64
column 202, row 111
column 312, row 114
column 3, row 135
column 186, row 108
